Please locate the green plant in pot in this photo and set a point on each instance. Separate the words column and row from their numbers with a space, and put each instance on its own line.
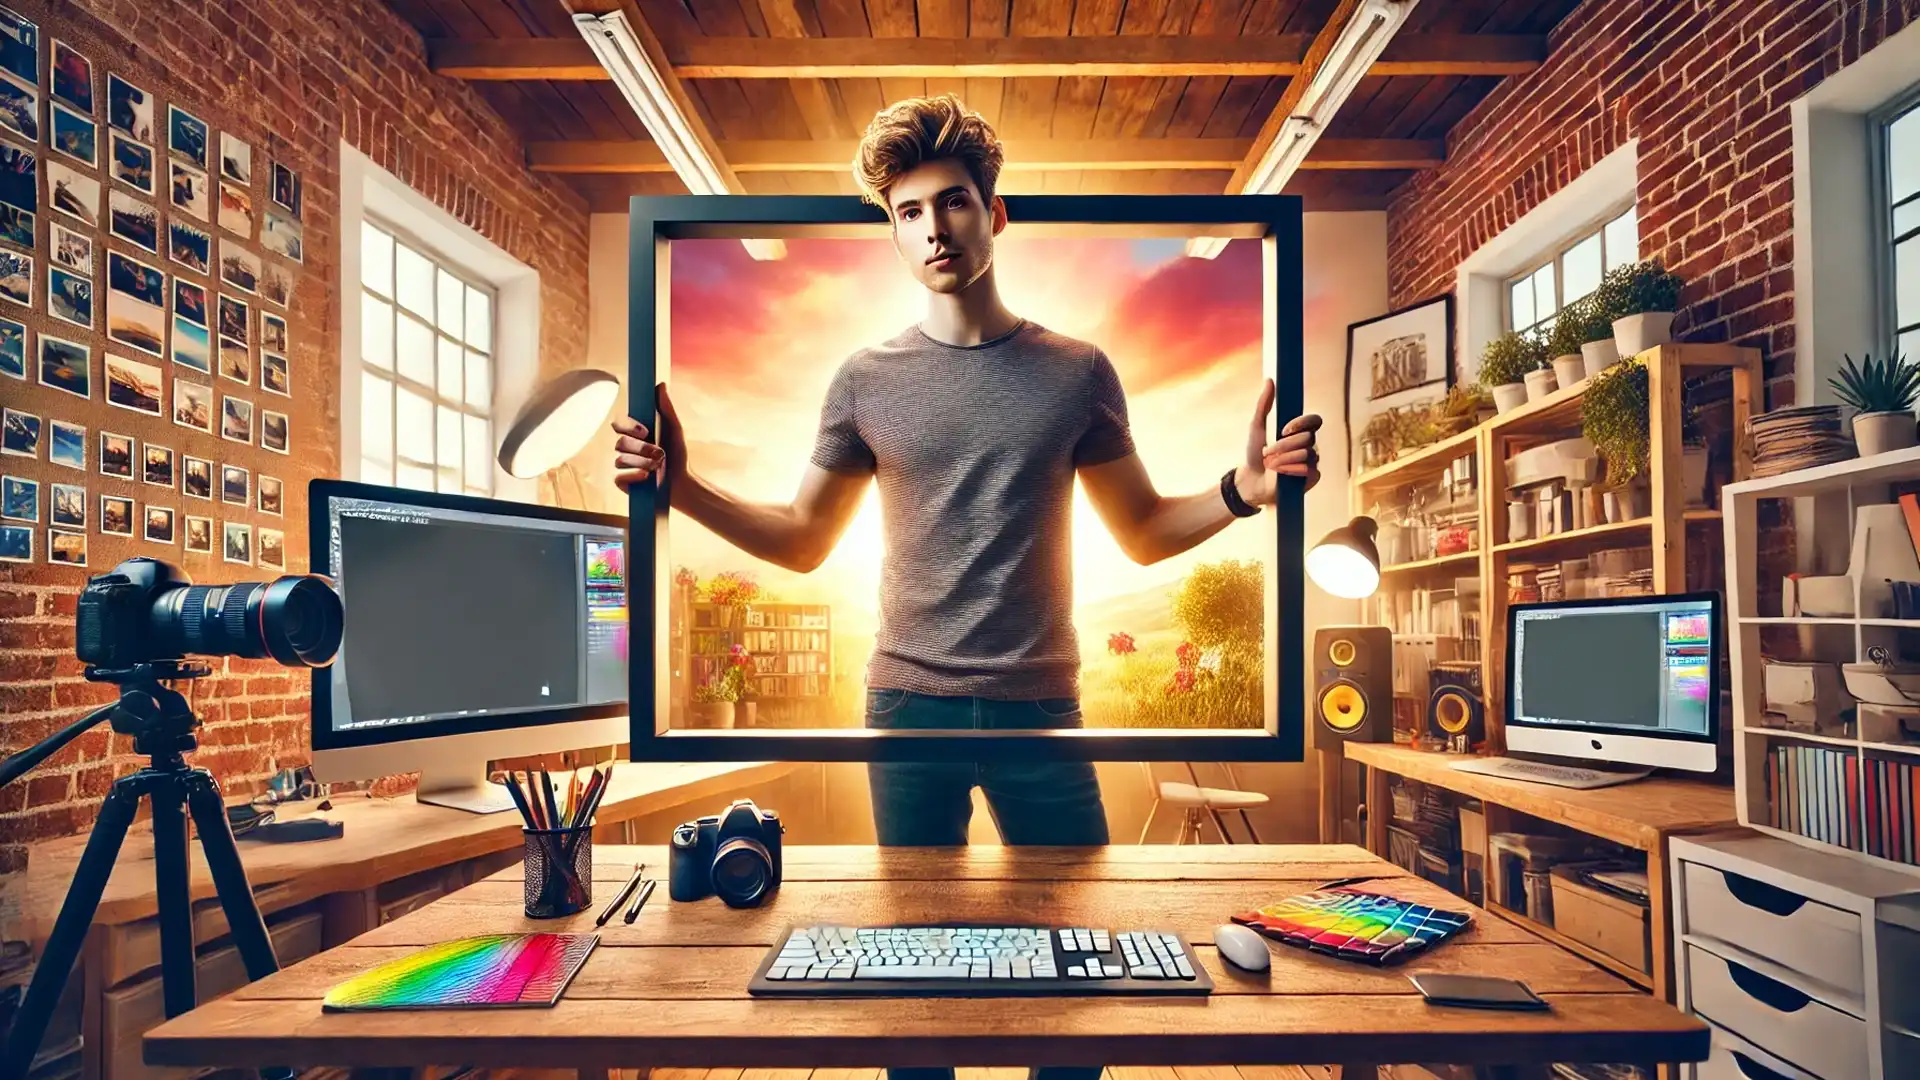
column 1614, row 417
column 1590, row 326
column 1564, row 342
column 1506, row 364
column 1882, row 392
column 1645, row 297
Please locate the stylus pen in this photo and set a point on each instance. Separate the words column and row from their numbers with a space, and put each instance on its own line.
column 640, row 900
column 621, row 897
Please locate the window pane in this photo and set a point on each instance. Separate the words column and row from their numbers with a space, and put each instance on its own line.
column 1623, row 239
column 479, row 382
column 376, row 418
column 376, row 259
column 448, row 311
column 414, row 350
column 479, row 456
column 448, row 479
column 448, row 381
column 1580, row 268
column 375, row 472
column 376, row 332
column 1906, row 278
column 446, row 449
column 413, row 428
column 479, row 320
column 1545, row 302
column 1910, row 344
column 408, row 475
column 1906, row 217
column 1903, row 154
column 413, row 280
column 1520, row 296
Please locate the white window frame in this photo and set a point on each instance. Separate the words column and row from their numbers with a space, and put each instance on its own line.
column 368, row 191
column 1880, row 123
column 1556, row 257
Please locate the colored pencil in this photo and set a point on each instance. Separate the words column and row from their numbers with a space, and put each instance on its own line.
column 553, row 804
column 621, row 897
column 520, row 800
column 573, row 792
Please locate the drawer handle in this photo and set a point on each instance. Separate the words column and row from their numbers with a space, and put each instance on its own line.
column 1768, row 991
column 1771, row 899
column 1753, row 1070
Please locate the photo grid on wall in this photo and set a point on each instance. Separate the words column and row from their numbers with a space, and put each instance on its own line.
column 145, row 323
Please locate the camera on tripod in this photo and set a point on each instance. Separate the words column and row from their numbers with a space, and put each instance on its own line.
column 145, row 611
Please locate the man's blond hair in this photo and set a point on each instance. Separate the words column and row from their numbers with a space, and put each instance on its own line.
column 911, row 133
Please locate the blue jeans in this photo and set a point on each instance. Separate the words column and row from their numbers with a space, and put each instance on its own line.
column 930, row 803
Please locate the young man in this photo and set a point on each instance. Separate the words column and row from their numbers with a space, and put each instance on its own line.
column 975, row 423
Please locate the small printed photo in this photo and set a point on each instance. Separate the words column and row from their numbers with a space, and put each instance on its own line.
column 66, row 548
column 193, row 405
column 159, row 465
column 273, row 374
column 276, row 283
column 188, row 190
column 16, row 277
column 72, row 250
column 19, row 178
column 20, row 498
column 75, row 136
column 67, row 444
column 286, row 188
column 199, row 534
column 129, row 109
column 273, row 554
column 239, row 267
column 133, row 384
column 116, row 515
column 189, row 301
column 236, row 361
column 283, row 236
column 236, row 210
column 19, row 433
column 20, row 110
column 270, row 493
column 273, row 431
column 74, row 194
column 233, row 319
column 68, row 506
column 13, row 348
column 16, row 543
column 273, row 332
column 190, row 247
column 132, row 163
column 196, row 477
column 116, row 455
column 69, row 297
column 125, row 274
column 19, row 46
column 136, row 222
column 16, row 227
column 238, row 547
column 160, row 524
column 136, row 323
column 233, row 485
column 187, row 136
column 236, row 159
column 72, row 77
column 236, row 419
column 66, row 365
column 190, row 348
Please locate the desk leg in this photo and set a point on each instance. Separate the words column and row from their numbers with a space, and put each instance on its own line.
column 1329, row 763
column 1379, row 810
column 1659, row 888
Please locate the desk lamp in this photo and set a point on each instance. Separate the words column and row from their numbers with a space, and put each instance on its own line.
column 1345, row 562
column 557, row 423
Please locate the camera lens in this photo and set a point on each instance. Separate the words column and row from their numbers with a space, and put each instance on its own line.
column 296, row 620
column 742, row 872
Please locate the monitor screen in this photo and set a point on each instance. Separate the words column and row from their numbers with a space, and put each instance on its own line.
column 1640, row 667
column 465, row 614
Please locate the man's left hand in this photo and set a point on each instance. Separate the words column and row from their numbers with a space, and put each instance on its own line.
column 1294, row 454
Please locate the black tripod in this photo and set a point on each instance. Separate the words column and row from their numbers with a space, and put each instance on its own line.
column 162, row 726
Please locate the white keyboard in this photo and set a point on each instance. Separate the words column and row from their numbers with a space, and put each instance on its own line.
column 1567, row 776
column 978, row 961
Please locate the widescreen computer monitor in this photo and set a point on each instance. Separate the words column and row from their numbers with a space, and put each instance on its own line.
column 1633, row 680
column 475, row 629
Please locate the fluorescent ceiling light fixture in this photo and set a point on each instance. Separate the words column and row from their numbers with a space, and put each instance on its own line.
column 644, row 85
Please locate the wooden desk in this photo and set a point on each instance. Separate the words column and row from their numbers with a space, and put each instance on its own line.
column 670, row 990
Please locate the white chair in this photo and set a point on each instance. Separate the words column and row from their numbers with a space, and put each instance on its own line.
column 1200, row 803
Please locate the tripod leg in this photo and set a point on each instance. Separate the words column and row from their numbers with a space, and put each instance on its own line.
column 229, row 877
column 70, row 929
column 172, row 889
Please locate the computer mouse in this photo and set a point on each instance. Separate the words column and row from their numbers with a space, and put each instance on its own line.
column 1241, row 947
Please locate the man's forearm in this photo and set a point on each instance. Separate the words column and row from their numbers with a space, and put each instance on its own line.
column 1178, row 523
column 770, row 531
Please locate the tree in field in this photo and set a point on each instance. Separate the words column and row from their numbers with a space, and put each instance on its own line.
column 1222, row 603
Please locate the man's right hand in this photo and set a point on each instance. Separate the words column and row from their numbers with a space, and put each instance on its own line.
column 635, row 458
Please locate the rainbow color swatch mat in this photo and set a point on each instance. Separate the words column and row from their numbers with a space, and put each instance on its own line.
column 1355, row 925
column 491, row 971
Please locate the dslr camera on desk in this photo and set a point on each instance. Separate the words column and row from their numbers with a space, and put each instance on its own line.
column 733, row 855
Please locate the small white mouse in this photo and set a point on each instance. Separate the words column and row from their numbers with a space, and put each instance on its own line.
column 1243, row 948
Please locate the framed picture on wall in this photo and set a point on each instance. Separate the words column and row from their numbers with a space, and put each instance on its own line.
column 1394, row 361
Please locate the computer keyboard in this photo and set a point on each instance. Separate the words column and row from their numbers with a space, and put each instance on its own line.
column 976, row 961
column 1559, row 775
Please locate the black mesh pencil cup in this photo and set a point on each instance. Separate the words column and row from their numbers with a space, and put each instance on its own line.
column 556, row 884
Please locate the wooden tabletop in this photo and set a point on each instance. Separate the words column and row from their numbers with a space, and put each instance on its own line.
column 1637, row 814
column 670, row 990
column 384, row 839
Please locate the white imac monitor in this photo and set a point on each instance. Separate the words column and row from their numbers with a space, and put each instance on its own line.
column 475, row 629
column 1633, row 680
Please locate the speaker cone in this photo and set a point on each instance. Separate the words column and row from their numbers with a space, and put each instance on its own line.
column 1343, row 707
column 1452, row 712
column 1341, row 652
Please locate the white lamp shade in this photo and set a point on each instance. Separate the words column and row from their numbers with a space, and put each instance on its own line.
column 1342, row 571
column 558, row 421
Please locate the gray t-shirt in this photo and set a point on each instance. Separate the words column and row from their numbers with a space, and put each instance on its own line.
column 974, row 449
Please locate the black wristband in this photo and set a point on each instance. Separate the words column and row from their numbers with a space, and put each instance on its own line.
column 1230, row 494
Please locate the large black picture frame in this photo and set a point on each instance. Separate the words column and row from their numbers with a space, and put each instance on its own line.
column 657, row 221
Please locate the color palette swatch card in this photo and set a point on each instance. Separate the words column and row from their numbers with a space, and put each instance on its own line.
column 1355, row 925
column 489, row 971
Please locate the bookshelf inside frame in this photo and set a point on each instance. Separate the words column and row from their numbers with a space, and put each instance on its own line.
column 790, row 646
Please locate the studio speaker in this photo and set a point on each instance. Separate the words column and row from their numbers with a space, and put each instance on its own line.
column 1352, row 685
column 1457, row 707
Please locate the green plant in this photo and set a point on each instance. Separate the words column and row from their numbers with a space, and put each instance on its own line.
column 1222, row 602
column 1642, row 287
column 1589, row 318
column 1510, row 356
column 1613, row 416
column 1873, row 386
column 1607, row 302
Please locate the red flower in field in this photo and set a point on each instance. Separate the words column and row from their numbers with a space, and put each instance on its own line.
column 1188, row 654
column 1182, row 682
column 1120, row 644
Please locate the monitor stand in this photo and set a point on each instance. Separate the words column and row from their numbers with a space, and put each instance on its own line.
column 461, row 783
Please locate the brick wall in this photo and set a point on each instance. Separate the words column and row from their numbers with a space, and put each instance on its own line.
column 1704, row 86
column 293, row 80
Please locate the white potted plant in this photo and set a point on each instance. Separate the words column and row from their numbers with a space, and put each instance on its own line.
column 1563, row 344
column 1648, row 298
column 1593, row 316
column 1504, row 367
column 1882, row 392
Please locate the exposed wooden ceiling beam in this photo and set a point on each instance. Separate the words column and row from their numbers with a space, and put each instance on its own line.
column 940, row 58
column 1124, row 155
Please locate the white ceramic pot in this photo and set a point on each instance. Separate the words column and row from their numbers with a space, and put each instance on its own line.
column 1599, row 355
column 1540, row 384
column 1693, row 476
column 1879, row 432
column 1635, row 334
column 1509, row 396
column 1569, row 369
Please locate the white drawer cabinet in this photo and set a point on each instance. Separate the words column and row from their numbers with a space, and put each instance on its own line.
column 1805, row 962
